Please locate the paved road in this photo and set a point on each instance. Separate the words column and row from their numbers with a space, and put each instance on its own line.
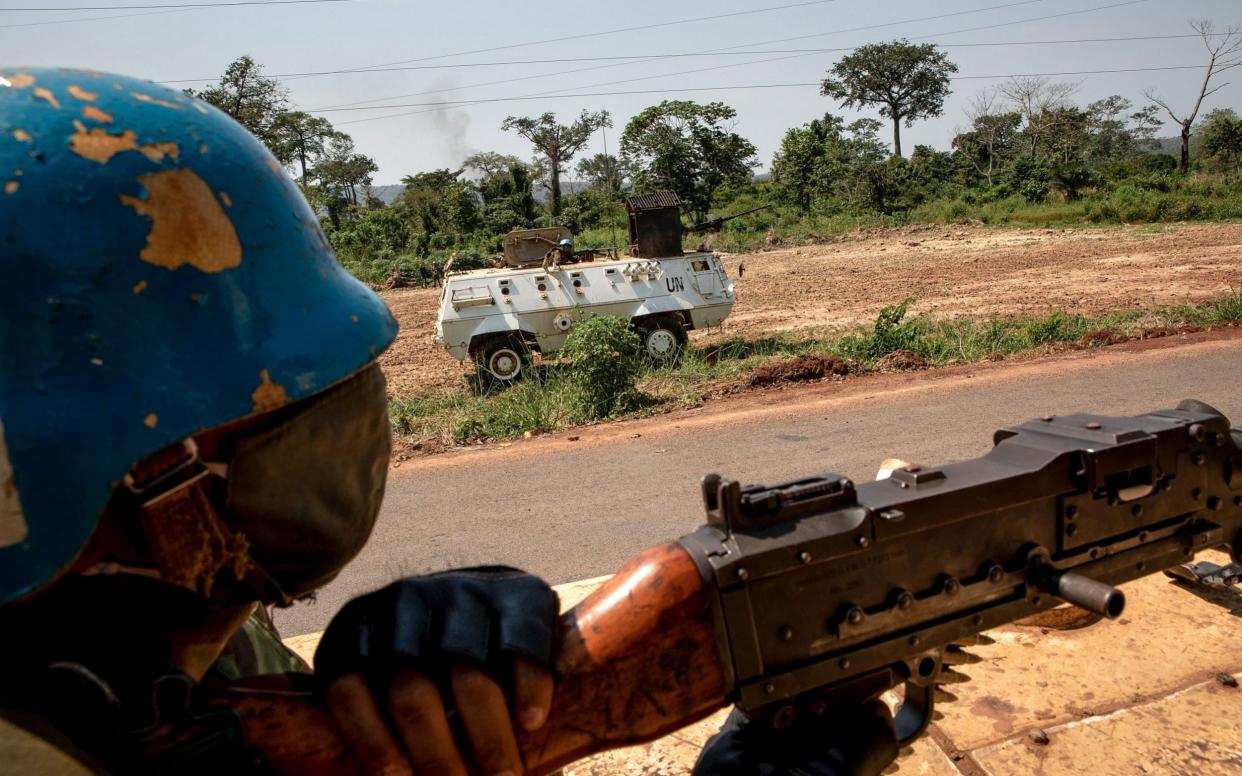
column 568, row 510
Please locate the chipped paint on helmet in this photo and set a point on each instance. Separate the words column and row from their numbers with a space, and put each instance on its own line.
column 47, row 96
column 95, row 114
column 151, row 303
column 188, row 226
column 98, row 145
column 12, row 523
column 81, row 94
column 269, row 395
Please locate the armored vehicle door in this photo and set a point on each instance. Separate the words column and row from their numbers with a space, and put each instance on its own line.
column 527, row 247
column 704, row 275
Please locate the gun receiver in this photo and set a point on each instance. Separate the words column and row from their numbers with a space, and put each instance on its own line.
column 820, row 594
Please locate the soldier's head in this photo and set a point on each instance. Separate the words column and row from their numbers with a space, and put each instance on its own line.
column 188, row 387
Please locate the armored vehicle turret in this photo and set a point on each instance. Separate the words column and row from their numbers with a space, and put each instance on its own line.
column 499, row 317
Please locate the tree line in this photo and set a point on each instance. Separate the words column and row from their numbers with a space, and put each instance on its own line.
column 1025, row 139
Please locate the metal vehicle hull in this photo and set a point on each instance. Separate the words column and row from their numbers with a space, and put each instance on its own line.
column 542, row 306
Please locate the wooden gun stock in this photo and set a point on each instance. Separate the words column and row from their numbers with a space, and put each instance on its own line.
column 637, row 660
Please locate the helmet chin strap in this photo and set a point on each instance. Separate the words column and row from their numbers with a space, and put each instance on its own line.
column 189, row 541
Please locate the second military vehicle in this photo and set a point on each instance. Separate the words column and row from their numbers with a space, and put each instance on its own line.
column 499, row 317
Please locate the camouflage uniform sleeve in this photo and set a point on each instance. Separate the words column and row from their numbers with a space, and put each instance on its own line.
column 256, row 648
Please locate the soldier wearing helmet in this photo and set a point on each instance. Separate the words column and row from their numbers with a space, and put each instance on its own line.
column 192, row 425
column 561, row 253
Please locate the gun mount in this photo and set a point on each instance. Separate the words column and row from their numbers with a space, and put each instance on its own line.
column 655, row 224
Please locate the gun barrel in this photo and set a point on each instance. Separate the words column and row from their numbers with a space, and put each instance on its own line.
column 716, row 223
column 1096, row 597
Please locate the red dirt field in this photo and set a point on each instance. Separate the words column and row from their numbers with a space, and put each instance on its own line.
column 950, row 271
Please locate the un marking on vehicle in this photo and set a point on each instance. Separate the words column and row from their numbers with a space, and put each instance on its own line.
column 674, row 285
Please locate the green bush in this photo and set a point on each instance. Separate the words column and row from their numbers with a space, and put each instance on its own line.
column 528, row 406
column 1227, row 310
column 1057, row 327
column 605, row 365
column 891, row 332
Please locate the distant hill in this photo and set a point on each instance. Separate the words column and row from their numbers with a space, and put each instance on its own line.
column 390, row 193
column 387, row 194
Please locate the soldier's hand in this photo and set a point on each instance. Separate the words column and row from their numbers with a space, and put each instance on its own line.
column 435, row 674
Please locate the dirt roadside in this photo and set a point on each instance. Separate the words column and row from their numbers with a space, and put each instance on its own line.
column 951, row 271
column 783, row 399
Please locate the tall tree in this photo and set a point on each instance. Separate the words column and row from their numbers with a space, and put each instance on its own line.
column 1041, row 103
column 341, row 172
column 906, row 80
column 818, row 159
column 1224, row 53
column 688, row 148
column 440, row 202
column 302, row 138
column 557, row 142
column 1221, row 137
column 990, row 138
column 253, row 100
column 506, row 186
column 603, row 172
column 487, row 163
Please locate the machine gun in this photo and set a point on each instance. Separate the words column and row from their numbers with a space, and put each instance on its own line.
column 715, row 224
column 813, row 596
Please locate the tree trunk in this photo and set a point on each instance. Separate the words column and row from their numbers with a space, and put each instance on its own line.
column 1183, row 165
column 896, row 135
column 556, row 188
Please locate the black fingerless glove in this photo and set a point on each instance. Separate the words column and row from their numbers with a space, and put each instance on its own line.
column 857, row 744
column 477, row 614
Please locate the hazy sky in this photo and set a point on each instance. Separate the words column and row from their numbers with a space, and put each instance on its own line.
column 198, row 43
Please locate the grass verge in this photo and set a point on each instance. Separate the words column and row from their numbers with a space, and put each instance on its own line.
column 894, row 342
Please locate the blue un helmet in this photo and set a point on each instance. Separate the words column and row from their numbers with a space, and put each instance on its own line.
column 161, row 276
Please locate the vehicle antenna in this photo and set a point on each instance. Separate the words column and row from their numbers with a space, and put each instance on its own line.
column 608, row 191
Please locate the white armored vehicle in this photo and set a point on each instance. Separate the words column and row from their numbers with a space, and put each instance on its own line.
column 499, row 317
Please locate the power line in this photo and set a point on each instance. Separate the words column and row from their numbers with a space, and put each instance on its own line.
column 171, row 5
column 602, row 33
column 764, row 61
column 706, row 51
column 734, row 87
column 801, row 56
column 629, row 57
column 94, row 19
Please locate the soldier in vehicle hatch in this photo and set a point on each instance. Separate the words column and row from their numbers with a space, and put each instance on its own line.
column 192, row 425
column 560, row 253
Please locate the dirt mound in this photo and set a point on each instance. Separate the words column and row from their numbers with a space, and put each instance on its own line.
column 396, row 280
column 801, row 368
column 901, row 361
column 1102, row 338
column 1169, row 331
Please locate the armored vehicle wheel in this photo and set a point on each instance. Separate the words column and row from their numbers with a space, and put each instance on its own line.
column 663, row 340
column 503, row 361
